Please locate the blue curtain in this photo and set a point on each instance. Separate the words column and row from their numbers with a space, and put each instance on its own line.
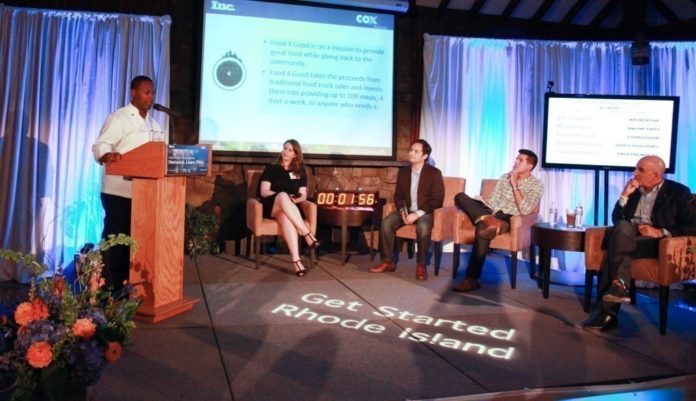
column 483, row 99
column 63, row 72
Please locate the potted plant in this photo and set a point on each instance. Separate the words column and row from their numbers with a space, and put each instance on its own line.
column 58, row 341
column 200, row 233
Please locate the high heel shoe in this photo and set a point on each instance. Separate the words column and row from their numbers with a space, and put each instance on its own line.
column 300, row 271
column 312, row 241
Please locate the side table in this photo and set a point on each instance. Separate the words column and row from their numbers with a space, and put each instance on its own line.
column 548, row 237
column 346, row 217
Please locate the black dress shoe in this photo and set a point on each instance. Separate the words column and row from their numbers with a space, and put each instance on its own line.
column 467, row 285
column 602, row 322
column 617, row 293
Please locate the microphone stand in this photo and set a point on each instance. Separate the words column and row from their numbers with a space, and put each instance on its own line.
column 170, row 119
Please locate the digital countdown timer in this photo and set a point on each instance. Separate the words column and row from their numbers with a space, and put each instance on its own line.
column 346, row 198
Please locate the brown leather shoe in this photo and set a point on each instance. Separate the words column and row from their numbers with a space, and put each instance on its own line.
column 467, row 285
column 421, row 272
column 382, row 267
column 493, row 227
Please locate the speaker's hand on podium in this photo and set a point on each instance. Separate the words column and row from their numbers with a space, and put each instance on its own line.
column 110, row 157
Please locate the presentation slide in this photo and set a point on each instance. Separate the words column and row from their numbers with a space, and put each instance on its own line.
column 613, row 132
column 271, row 72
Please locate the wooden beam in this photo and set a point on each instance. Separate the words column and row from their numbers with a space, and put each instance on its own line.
column 510, row 8
column 634, row 12
column 577, row 7
column 666, row 11
column 539, row 14
column 604, row 13
column 477, row 6
column 444, row 5
column 457, row 22
column 442, row 8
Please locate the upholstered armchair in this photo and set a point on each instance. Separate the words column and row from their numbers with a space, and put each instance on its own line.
column 443, row 219
column 675, row 263
column 259, row 226
column 518, row 238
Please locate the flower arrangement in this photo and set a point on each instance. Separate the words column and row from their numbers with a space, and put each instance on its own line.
column 65, row 333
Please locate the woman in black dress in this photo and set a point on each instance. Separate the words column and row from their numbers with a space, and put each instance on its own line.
column 283, row 186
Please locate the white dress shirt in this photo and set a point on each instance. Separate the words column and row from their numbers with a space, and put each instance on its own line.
column 415, row 179
column 123, row 131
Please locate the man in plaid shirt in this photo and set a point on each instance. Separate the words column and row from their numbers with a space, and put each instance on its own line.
column 517, row 192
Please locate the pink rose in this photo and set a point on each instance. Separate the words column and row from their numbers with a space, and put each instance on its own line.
column 39, row 354
column 112, row 351
column 84, row 328
column 24, row 314
column 58, row 286
column 40, row 309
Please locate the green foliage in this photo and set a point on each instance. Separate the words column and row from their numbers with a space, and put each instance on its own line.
column 200, row 232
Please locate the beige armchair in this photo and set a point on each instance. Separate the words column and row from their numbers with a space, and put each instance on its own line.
column 259, row 226
column 518, row 238
column 675, row 263
column 443, row 219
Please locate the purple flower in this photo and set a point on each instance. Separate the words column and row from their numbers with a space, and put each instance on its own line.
column 38, row 330
column 87, row 363
column 95, row 315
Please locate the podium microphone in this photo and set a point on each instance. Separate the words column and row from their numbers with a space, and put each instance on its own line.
column 167, row 110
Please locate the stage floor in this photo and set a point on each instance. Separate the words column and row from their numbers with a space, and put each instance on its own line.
column 343, row 333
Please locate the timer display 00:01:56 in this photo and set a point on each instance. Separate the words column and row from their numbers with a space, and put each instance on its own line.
column 346, row 198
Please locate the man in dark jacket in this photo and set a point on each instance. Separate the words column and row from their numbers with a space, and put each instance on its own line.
column 650, row 208
column 420, row 190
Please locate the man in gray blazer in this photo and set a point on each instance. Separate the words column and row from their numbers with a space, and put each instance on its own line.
column 650, row 208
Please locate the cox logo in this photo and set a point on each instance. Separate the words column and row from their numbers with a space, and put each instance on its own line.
column 366, row 19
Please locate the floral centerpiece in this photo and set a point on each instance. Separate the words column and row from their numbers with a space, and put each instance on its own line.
column 64, row 335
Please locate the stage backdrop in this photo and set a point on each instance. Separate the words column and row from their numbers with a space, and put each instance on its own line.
column 63, row 72
column 483, row 99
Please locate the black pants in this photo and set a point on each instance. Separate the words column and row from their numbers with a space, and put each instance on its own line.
column 623, row 244
column 117, row 220
column 475, row 209
column 387, row 235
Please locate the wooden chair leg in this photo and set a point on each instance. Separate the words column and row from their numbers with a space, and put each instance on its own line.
column 249, row 241
column 532, row 261
column 257, row 245
column 513, row 269
column 664, row 301
column 437, row 249
column 632, row 291
column 411, row 248
column 455, row 260
column 247, row 245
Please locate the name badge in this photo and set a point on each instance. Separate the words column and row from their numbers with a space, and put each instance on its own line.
column 294, row 176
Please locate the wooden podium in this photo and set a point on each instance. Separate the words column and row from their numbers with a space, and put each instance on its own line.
column 157, row 225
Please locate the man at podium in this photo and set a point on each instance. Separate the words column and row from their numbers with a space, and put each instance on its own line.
column 124, row 130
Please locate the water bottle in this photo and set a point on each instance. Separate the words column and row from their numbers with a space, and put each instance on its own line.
column 578, row 215
column 553, row 215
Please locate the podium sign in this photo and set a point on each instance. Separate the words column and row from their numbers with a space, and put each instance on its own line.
column 157, row 223
column 188, row 160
